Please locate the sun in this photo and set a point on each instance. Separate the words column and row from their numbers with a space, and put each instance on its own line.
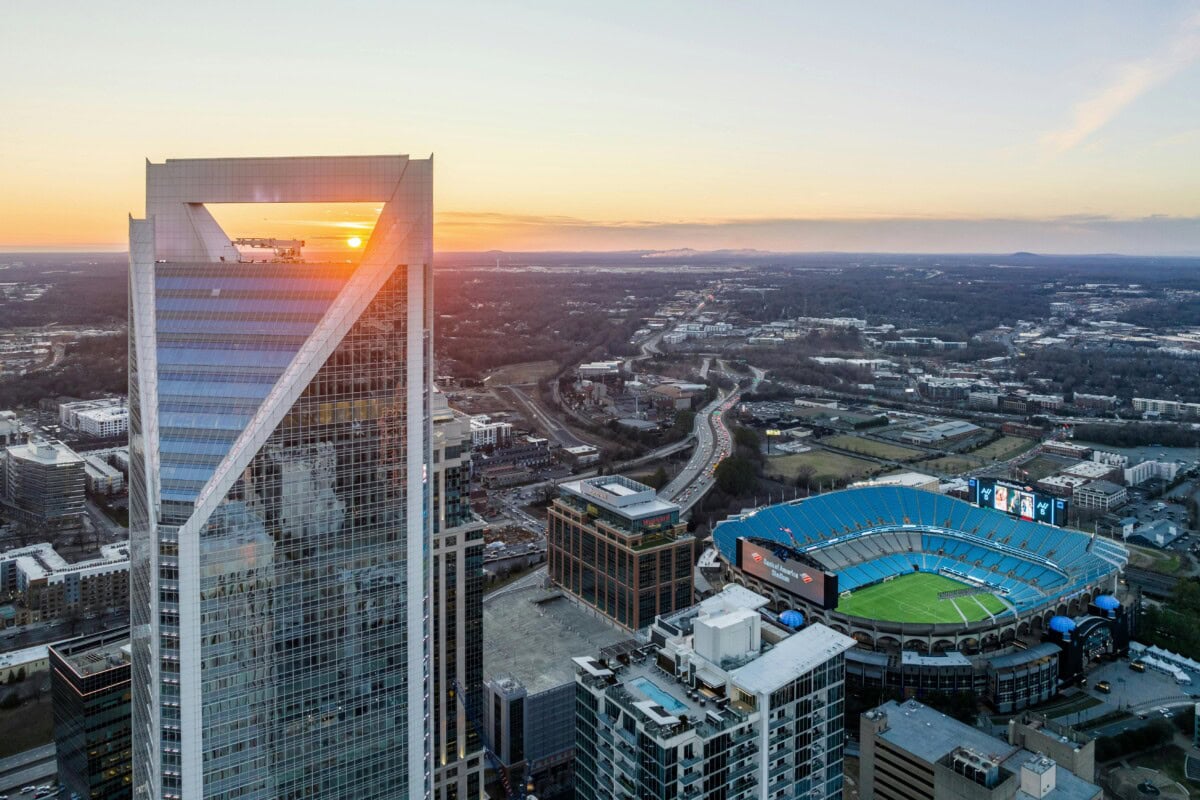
column 354, row 242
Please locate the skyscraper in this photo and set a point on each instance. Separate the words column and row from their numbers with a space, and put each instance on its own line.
column 457, row 602
column 279, row 456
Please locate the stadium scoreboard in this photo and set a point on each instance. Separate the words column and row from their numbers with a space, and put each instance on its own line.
column 791, row 573
column 1018, row 501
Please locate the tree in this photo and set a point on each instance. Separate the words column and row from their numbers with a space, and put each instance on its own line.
column 658, row 479
column 736, row 476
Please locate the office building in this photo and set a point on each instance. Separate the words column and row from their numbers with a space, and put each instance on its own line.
column 89, row 684
column 616, row 546
column 530, row 635
column 1099, row 495
column 457, row 604
column 721, row 703
column 908, row 750
column 279, row 465
column 44, row 483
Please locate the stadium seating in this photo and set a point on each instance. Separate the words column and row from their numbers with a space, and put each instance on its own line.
column 871, row 533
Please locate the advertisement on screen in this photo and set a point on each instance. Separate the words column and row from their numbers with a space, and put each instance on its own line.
column 1019, row 501
column 803, row 580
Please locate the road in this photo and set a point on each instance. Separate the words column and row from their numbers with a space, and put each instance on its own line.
column 552, row 426
column 524, row 582
column 34, row 767
column 713, row 443
column 49, row 632
column 1154, row 584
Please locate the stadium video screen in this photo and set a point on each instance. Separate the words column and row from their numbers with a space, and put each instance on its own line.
column 809, row 583
column 1019, row 501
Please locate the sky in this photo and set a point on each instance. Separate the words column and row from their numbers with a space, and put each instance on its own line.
column 791, row 126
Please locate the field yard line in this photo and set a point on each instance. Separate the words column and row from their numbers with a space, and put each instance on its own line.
column 981, row 605
column 954, row 603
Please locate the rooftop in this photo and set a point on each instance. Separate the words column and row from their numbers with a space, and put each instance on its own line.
column 44, row 452
column 930, row 735
column 532, row 634
column 791, row 658
column 97, row 653
column 630, row 499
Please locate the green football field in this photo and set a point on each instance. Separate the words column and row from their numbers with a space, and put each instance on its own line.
column 914, row 598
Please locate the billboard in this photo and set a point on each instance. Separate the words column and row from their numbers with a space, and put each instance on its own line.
column 790, row 574
column 1019, row 501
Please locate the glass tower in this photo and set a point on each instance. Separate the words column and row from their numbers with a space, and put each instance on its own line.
column 279, row 456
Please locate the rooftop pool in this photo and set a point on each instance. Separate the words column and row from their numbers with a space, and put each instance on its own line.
column 651, row 690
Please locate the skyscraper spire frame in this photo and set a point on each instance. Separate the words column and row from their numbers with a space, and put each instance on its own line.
column 211, row 480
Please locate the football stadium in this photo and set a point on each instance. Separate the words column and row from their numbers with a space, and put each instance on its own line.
column 900, row 568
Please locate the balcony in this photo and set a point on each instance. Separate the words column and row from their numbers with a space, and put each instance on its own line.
column 746, row 735
column 744, row 769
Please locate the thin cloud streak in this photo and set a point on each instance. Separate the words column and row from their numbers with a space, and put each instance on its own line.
column 1152, row 235
column 1132, row 80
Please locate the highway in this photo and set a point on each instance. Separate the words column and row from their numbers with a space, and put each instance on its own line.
column 35, row 767
column 713, row 443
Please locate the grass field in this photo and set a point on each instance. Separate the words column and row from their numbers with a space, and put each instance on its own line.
column 522, row 374
column 1040, row 466
column 914, row 598
column 949, row 465
column 826, row 466
column 871, row 447
column 1004, row 448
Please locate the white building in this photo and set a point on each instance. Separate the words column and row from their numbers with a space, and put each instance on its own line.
column 486, row 433
column 104, row 422
column 1099, row 495
column 599, row 369
column 1173, row 409
column 99, row 418
column 743, row 708
column 1151, row 470
column 279, row 488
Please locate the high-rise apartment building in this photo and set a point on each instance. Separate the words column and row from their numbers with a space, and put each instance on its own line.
column 89, row 683
column 618, row 547
column 279, row 467
column 457, row 603
column 721, row 703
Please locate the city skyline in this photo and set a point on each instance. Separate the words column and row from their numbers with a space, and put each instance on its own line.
column 773, row 127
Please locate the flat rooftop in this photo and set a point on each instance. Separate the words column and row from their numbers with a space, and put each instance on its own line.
column 43, row 452
column 532, row 634
column 797, row 654
column 930, row 735
column 629, row 499
column 98, row 653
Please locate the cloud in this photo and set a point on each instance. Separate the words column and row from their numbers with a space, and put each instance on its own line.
column 1081, row 233
column 1131, row 81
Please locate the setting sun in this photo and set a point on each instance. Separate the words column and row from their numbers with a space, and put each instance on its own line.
column 354, row 241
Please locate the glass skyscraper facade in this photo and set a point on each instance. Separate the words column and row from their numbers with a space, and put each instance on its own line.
column 458, row 540
column 279, row 454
